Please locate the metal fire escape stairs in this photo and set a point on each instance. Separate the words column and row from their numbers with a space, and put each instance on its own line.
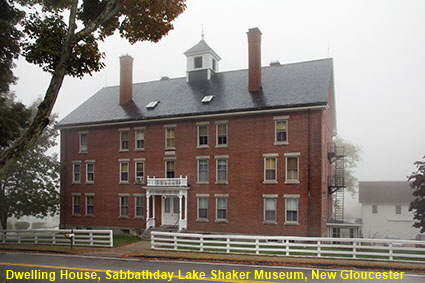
column 336, row 183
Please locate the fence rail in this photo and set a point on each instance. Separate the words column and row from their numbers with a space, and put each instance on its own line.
column 94, row 238
column 372, row 249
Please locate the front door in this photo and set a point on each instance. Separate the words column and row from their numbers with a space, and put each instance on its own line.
column 170, row 210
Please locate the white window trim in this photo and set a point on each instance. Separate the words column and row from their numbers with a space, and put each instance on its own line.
column 127, row 130
column 79, row 142
column 292, row 155
column 73, row 171
column 198, row 196
column 198, row 125
column 135, row 138
column 265, row 157
column 203, row 158
column 135, row 206
column 139, row 160
column 217, row 158
column 72, row 196
column 217, row 123
column 166, row 127
column 217, row 196
column 269, row 196
column 121, row 161
column 87, row 195
column 167, row 159
column 281, row 119
column 128, row 204
column 87, row 171
column 292, row 196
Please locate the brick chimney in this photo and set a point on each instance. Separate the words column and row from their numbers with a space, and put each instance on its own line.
column 126, row 79
column 254, row 59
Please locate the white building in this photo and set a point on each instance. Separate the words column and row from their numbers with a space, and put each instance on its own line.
column 385, row 209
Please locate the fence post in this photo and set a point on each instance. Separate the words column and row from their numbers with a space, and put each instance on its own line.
column 354, row 249
column 91, row 238
column 152, row 240
column 201, row 243
column 227, row 244
column 175, row 242
column 319, row 248
column 287, row 247
column 18, row 235
column 257, row 246
column 390, row 247
column 54, row 238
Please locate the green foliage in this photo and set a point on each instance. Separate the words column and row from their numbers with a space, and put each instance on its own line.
column 31, row 186
column 9, row 42
column 14, row 117
column 417, row 183
column 46, row 37
column 22, row 225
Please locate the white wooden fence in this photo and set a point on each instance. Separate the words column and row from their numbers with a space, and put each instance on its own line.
column 371, row 249
column 98, row 238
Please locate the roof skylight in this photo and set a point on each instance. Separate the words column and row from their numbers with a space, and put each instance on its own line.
column 207, row 98
column 152, row 104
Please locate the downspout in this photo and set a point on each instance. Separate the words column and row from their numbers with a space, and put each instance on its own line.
column 309, row 179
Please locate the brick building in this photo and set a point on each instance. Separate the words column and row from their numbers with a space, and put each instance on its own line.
column 233, row 152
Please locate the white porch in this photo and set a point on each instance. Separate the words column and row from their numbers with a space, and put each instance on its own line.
column 173, row 194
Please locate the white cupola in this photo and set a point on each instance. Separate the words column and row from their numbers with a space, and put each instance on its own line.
column 201, row 62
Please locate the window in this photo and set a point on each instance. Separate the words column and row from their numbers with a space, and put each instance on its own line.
column 291, row 205
column 90, row 205
column 398, row 209
column 140, row 138
column 83, row 142
column 281, row 130
column 270, row 167
column 140, row 206
column 202, row 208
column 76, row 205
column 124, row 206
column 221, row 134
column 170, row 138
column 214, row 64
column 374, row 208
column 221, row 170
column 124, row 140
column 152, row 104
column 124, row 172
column 221, row 202
column 203, row 171
column 269, row 208
column 89, row 172
column 207, row 99
column 140, row 166
column 292, row 176
column 203, row 136
column 76, row 172
column 170, row 166
column 197, row 62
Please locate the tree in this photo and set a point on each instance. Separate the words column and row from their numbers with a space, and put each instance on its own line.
column 31, row 186
column 352, row 156
column 417, row 183
column 9, row 42
column 71, row 48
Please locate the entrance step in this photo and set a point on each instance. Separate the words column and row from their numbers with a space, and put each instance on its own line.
column 146, row 234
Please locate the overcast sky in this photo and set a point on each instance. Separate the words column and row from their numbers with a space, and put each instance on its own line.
column 378, row 47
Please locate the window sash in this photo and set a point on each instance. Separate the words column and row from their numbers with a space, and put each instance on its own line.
column 222, row 170
column 140, row 207
column 292, row 168
column 270, row 209
column 221, row 208
column 139, row 172
column 124, row 140
column 203, row 135
column 170, row 168
column 77, row 173
column 90, row 172
column 202, row 208
column 76, row 204
column 291, row 210
column 140, row 139
column 170, row 138
column 221, row 134
column 89, row 205
column 281, row 131
column 124, row 172
column 124, row 206
column 202, row 170
column 83, row 143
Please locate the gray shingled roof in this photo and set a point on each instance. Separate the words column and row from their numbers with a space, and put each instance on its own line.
column 395, row 192
column 285, row 86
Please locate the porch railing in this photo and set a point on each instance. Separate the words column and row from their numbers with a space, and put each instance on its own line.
column 167, row 182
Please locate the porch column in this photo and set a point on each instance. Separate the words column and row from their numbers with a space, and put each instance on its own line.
column 185, row 208
column 180, row 211
column 147, row 210
column 153, row 211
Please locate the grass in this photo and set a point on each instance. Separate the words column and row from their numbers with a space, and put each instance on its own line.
column 122, row 240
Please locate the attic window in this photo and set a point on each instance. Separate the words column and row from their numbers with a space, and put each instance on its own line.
column 207, row 98
column 198, row 62
column 152, row 104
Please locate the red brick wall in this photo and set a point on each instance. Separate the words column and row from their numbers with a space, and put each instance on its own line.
column 249, row 137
